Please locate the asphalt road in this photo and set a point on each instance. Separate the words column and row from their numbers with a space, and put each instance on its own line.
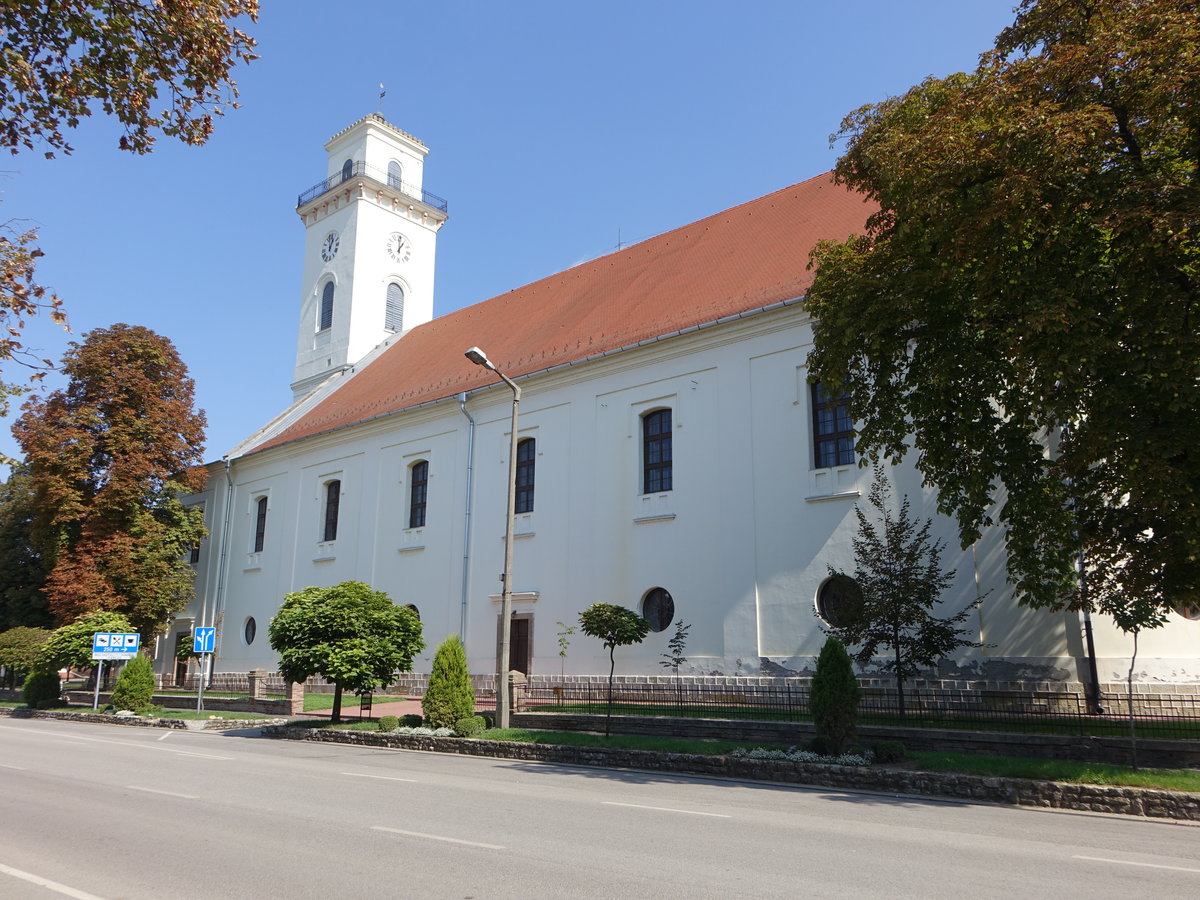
column 108, row 811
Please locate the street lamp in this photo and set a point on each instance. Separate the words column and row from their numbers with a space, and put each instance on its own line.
column 503, row 699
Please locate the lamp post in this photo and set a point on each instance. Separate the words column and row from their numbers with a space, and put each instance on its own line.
column 503, row 699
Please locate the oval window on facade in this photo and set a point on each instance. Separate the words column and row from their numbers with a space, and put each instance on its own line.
column 658, row 608
column 251, row 630
column 839, row 601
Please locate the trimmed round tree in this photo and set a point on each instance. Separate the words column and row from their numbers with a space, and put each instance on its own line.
column 614, row 626
column 834, row 699
column 450, row 695
column 71, row 645
column 350, row 634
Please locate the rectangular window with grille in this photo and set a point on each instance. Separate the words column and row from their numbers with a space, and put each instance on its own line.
column 833, row 429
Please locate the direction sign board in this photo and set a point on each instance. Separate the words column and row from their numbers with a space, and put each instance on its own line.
column 115, row 645
column 204, row 640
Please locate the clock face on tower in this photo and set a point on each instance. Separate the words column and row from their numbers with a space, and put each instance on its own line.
column 399, row 247
column 329, row 247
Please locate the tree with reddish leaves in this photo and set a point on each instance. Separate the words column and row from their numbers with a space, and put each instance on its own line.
column 111, row 457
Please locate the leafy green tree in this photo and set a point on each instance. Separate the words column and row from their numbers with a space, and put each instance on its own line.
column 61, row 61
column 898, row 570
column 41, row 688
column 450, row 695
column 110, row 457
column 350, row 634
column 565, row 632
column 19, row 649
column 70, row 646
column 1021, row 310
column 834, row 699
column 23, row 568
column 614, row 626
column 135, row 685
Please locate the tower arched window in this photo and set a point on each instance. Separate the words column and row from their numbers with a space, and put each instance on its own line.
column 260, row 524
column 393, row 314
column 326, row 319
column 395, row 174
column 526, row 460
column 347, row 169
column 656, row 451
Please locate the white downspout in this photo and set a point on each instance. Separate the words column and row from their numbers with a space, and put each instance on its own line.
column 466, row 564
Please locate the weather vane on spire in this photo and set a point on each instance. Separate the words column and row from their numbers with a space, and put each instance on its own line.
column 382, row 94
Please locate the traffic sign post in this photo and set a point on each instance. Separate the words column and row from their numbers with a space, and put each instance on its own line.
column 204, row 641
column 111, row 645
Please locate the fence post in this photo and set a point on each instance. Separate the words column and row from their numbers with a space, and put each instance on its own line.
column 295, row 698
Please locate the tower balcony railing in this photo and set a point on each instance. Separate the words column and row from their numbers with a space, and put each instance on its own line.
column 358, row 169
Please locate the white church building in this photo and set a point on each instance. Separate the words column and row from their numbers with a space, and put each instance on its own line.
column 673, row 456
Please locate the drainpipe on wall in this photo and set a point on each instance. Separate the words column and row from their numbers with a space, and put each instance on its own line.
column 466, row 565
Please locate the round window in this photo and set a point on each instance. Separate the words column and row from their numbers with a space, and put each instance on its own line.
column 658, row 609
column 251, row 630
column 839, row 601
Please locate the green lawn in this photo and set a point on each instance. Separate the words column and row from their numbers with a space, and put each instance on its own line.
column 1057, row 770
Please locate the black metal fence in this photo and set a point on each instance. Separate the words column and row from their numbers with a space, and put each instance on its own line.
column 1154, row 716
column 361, row 168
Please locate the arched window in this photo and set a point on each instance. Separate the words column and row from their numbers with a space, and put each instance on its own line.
column 260, row 524
column 833, row 429
column 326, row 319
column 347, row 169
column 658, row 608
column 416, row 612
column 526, row 455
column 393, row 313
column 656, row 451
column 418, row 492
column 394, row 174
column 333, row 499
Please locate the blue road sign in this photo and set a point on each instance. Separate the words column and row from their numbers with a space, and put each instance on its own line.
column 115, row 645
column 204, row 640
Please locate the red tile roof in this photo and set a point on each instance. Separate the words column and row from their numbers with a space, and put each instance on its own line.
column 738, row 260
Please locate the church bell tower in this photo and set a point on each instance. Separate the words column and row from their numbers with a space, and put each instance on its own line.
column 370, row 238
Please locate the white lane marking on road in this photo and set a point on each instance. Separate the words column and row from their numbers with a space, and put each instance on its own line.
column 7, row 766
column 1129, row 862
column 47, row 883
column 381, row 777
column 134, row 787
column 148, row 747
column 690, row 812
column 165, row 736
column 436, row 837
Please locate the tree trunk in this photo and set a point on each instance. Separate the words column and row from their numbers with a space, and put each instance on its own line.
column 612, row 667
column 899, row 676
column 336, row 717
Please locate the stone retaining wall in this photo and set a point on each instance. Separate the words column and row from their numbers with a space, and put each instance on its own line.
column 138, row 721
column 1009, row 791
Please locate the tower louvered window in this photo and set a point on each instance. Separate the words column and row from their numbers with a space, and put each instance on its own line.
column 393, row 314
column 326, row 320
column 394, row 174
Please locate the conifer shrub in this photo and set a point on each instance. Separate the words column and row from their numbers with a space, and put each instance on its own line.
column 470, row 726
column 834, row 699
column 450, row 696
column 135, row 686
column 388, row 723
column 411, row 720
column 40, row 687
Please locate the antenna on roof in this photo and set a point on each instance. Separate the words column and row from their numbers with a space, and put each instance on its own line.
column 619, row 244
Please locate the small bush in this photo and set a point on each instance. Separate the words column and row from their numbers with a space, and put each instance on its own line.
column 489, row 721
column 888, row 751
column 388, row 723
column 470, row 726
column 411, row 720
column 135, row 686
column 450, row 696
column 40, row 687
column 51, row 704
column 834, row 698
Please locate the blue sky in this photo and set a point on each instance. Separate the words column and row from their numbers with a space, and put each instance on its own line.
column 553, row 129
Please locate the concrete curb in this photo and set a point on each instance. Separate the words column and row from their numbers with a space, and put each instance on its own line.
column 1007, row 791
column 218, row 724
